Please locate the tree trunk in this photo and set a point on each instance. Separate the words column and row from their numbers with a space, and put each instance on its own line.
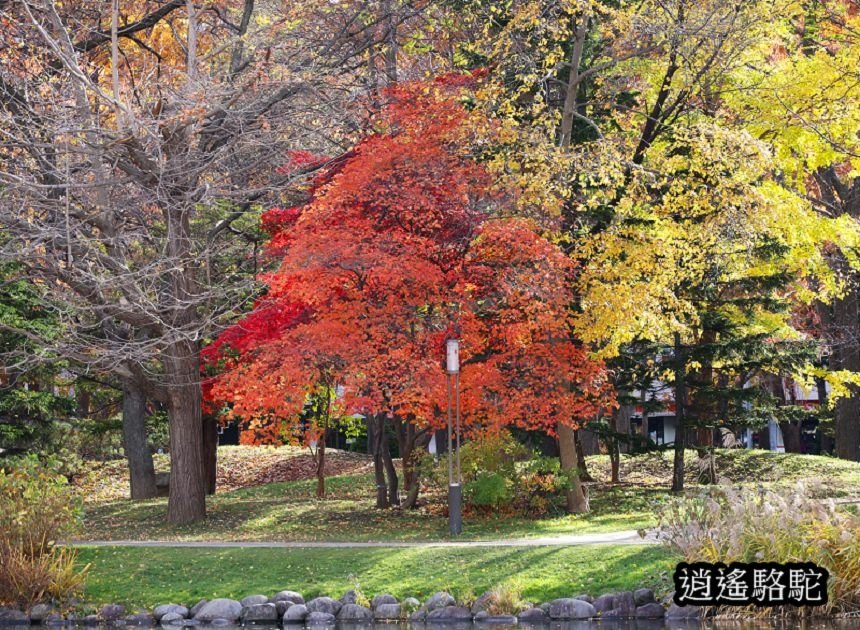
column 577, row 502
column 827, row 445
column 187, row 502
column 680, row 410
column 791, row 436
column 584, row 475
column 321, row 466
column 378, row 464
column 140, row 466
column 391, row 473
column 210, row 453
column 846, row 355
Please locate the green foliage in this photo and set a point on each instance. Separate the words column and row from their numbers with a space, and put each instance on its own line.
column 494, row 452
column 36, row 507
column 487, row 489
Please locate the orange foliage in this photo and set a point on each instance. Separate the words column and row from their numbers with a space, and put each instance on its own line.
column 395, row 252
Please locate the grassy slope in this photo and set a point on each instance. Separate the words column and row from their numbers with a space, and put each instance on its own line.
column 542, row 573
column 289, row 510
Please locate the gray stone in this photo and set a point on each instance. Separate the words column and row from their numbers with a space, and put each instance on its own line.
column 449, row 614
column 387, row 611
column 197, row 607
column 253, row 599
column 642, row 596
column 40, row 612
column 418, row 616
column 165, row 609
column 91, row 620
column 318, row 617
column 625, row 603
column 350, row 597
column 55, row 620
column 545, row 607
column 221, row 622
column 651, row 611
column 385, row 598
column 112, row 612
column 13, row 617
column 410, row 603
column 288, row 596
column 683, row 612
column 281, row 606
column 569, row 608
column 533, row 615
column 324, row 605
column 585, row 598
column 615, row 613
column 140, row 619
column 260, row 613
column 172, row 618
column 604, row 603
column 190, row 622
column 221, row 608
column 354, row 612
column 295, row 614
column 482, row 602
column 439, row 600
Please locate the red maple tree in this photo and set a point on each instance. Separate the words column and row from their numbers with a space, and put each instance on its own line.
column 399, row 248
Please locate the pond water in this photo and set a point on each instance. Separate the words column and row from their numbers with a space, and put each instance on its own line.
column 632, row 624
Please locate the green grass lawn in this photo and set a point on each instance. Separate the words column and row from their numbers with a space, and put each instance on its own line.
column 150, row 576
column 289, row 511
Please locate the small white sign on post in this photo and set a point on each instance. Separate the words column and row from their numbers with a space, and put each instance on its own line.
column 452, row 355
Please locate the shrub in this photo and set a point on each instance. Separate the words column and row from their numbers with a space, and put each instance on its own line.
column 487, row 489
column 495, row 452
column 789, row 525
column 36, row 507
column 502, row 474
column 505, row 599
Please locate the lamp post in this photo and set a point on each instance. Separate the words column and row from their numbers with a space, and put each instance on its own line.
column 455, row 490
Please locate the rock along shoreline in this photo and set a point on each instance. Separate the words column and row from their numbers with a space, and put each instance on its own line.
column 290, row 610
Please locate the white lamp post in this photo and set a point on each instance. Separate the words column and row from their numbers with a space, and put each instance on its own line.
column 455, row 490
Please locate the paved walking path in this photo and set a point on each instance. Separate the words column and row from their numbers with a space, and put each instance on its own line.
column 628, row 537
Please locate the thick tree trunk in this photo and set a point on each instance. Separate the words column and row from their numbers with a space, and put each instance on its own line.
column 791, row 436
column 577, row 502
column 187, row 502
column 846, row 356
column 378, row 464
column 210, row 453
column 680, row 416
column 584, row 475
column 827, row 445
column 134, row 442
column 391, row 473
column 321, row 466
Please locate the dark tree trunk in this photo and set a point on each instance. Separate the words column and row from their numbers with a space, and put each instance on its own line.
column 391, row 473
column 680, row 415
column 210, row 453
column 321, row 466
column 827, row 444
column 846, row 356
column 134, row 442
column 378, row 464
column 584, row 475
column 577, row 502
column 187, row 502
column 791, row 436
column 411, row 443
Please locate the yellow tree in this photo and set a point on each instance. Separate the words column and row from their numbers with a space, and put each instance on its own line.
column 799, row 92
